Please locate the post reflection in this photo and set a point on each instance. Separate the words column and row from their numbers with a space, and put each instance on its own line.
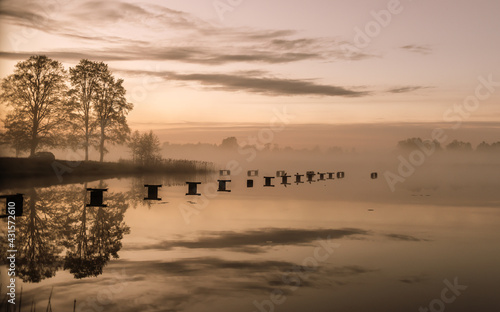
column 58, row 231
column 96, row 235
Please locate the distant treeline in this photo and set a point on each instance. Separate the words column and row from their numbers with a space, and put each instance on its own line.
column 454, row 146
column 231, row 144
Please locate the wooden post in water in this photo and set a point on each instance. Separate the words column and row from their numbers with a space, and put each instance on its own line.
column 253, row 173
column 268, row 181
column 310, row 175
column 152, row 192
column 224, row 172
column 298, row 178
column 13, row 202
column 96, row 197
column 193, row 188
column 284, row 179
column 222, row 186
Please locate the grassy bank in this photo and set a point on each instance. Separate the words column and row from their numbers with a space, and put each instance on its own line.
column 22, row 171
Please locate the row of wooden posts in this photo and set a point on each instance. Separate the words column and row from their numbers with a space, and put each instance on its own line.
column 97, row 195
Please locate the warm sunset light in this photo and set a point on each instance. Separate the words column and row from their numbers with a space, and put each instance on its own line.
column 205, row 63
column 249, row 155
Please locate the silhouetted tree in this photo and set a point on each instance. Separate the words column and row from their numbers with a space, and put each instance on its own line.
column 17, row 137
column 229, row 143
column 84, row 79
column 334, row 150
column 35, row 92
column 415, row 144
column 145, row 148
column 459, row 146
column 483, row 147
column 134, row 143
column 111, row 109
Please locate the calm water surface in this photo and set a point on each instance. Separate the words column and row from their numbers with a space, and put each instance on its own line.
column 334, row 245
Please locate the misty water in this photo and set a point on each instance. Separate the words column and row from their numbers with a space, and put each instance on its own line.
column 335, row 245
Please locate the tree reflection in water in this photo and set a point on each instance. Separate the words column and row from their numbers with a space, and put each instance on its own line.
column 38, row 245
column 97, row 234
column 56, row 219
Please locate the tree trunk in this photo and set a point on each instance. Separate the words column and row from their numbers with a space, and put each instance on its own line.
column 86, row 140
column 101, row 145
column 33, row 143
column 34, row 134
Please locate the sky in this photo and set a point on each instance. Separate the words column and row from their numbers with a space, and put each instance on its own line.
column 215, row 64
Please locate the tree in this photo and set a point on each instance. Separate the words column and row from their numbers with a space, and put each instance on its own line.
column 17, row 136
column 134, row 143
column 459, row 146
column 84, row 79
column 409, row 144
column 416, row 144
column 145, row 148
column 485, row 147
column 111, row 109
column 229, row 143
column 35, row 92
column 334, row 150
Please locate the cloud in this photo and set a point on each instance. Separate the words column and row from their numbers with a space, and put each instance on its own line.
column 265, row 85
column 414, row 279
column 349, row 270
column 255, row 82
column 255, row 276
column 259, row 82
column 421, row 49
column 182, row 284
column 186, row 54
column 407, row 238
column 255, row 241
column 406, row 89
column 154, row 32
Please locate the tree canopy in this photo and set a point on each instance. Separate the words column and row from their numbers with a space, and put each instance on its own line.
column 45, row 114
column 145, row 148
column 111, row 109
column 36, row 93
column 84, row 79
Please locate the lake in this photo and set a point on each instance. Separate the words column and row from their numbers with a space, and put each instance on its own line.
column 335, row 245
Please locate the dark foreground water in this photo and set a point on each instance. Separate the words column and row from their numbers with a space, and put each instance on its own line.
column 334, row 245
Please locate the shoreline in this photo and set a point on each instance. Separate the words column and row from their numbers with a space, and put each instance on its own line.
column 18, row 172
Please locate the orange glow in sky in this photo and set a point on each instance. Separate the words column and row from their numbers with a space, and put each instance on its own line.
column 327, row 62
